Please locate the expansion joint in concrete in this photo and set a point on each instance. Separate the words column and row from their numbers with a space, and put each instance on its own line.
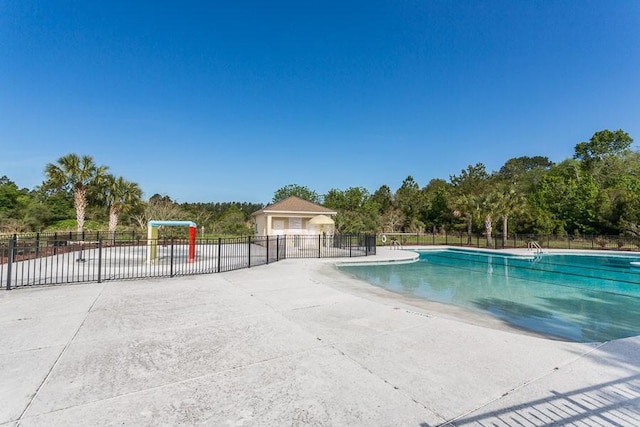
column 62, row 353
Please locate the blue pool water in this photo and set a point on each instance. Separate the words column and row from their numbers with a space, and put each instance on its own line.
column 582, row 298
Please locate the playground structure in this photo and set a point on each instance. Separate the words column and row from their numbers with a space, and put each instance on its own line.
column 152, row 238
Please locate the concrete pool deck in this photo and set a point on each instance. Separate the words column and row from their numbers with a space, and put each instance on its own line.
column 291, row 343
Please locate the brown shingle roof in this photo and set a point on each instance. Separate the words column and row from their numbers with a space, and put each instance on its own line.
column 296, row 204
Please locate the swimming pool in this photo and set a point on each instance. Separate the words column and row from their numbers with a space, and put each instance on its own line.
column 584, row 298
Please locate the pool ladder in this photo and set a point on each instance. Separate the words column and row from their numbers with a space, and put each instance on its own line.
column 533, row 245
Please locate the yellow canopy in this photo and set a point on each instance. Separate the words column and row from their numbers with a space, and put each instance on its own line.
column 321, row 220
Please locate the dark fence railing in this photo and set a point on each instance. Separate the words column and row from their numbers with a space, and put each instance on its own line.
column 34, row 260
column 513, row 241
column 325, row 246
column 55, row 258
column 62, row 236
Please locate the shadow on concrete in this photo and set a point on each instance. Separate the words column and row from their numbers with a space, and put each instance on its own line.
column 615, row 403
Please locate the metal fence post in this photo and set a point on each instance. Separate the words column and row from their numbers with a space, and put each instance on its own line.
column 10, row 263
column 267, row 249
column 249, row 251
column 350, row 244
column 37, row 245
column 171, row 259
column 100, row 261
column 219, row 252
column 319, row 246
column 285, row 246
column 277, row 248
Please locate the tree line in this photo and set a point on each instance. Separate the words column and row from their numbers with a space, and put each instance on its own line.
column 79, row 195
column 597, row 191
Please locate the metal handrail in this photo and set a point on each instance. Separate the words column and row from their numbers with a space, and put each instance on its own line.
column 532, row 244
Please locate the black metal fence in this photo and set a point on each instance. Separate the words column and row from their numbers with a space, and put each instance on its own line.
column 55, row 258
column 62, row 236
column 41, row 260
column 513, row 241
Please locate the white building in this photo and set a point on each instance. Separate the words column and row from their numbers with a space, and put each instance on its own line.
column 294, row 216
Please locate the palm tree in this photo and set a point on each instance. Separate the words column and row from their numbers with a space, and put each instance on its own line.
column 122, row 196
column 76, row 174
column 490, row 206
column 466, row 205
column 510, row 202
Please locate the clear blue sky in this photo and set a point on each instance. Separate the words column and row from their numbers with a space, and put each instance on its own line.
column 218, row 101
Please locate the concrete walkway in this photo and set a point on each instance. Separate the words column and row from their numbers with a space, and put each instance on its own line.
column 288, row 344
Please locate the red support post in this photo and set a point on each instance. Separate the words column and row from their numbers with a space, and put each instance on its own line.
column 192, row 244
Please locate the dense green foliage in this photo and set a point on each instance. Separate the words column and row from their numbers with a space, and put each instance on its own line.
column 595, row 192
column 222, row 218
column 299, row 191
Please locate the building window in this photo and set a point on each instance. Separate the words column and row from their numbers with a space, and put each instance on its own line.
column 295, row 223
